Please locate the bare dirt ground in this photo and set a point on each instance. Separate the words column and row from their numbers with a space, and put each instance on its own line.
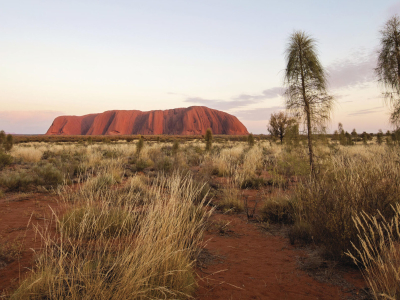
column 19, row 215
column 242, row 262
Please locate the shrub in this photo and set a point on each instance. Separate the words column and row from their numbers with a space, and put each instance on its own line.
column 300, row 232
column 2, row 137
column 208, row 139
column 48, row 175
column 231, row 201
column 250, row 140
column 278, row 210
column 17, row 181
column 164, row 163
column 175, row 147
column 379, row 137
column 293, row 164
column 142, row 164
column 351, row 184
column 8, row 144
column 139, row 145
column 102, row 181
column 5, row 159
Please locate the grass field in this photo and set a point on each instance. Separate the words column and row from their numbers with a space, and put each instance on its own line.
column 131, row 219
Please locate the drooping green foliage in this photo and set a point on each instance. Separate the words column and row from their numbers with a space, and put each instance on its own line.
column 306, row 94
column 388, row 67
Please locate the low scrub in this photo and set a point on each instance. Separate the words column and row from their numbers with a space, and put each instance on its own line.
column 369, row 183
column 164, row 164
column 18, row 181
column 5, row 159
column 28, row 154
column 278, row 210
column 155, row 261
column 231, row 201
column 48, row 175
column 378, row 253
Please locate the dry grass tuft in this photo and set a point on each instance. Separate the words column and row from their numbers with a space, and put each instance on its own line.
column 378, row 255
column 27, row 154
column 127, row 257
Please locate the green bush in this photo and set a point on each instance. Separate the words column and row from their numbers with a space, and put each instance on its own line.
column 5, row 159
column 164, row 164
column 142, row 164
column 18, row 181
column 110, row 154
column 250, row 140
column 48, row 175
column 293, row 164
column 9, row 142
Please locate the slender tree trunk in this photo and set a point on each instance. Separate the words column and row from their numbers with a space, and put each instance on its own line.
column 308, row 112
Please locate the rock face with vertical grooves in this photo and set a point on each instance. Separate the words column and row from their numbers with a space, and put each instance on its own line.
column 193, row 120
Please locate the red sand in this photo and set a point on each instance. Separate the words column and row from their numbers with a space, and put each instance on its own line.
column 257, row 266
column 19, row 215
column 193, row 120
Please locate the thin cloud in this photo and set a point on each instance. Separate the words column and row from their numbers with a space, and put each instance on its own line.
column 221, row 104
column 240, row 101
column 367, row 111
column 355, row 71
column 257, row 114
column 266, row 94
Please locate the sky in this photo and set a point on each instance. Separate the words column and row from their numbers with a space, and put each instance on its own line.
column 80, row 57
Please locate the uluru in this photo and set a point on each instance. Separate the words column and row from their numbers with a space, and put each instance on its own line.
column 193, row 120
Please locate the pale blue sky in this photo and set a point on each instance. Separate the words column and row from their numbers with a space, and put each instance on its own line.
column 79, row 57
